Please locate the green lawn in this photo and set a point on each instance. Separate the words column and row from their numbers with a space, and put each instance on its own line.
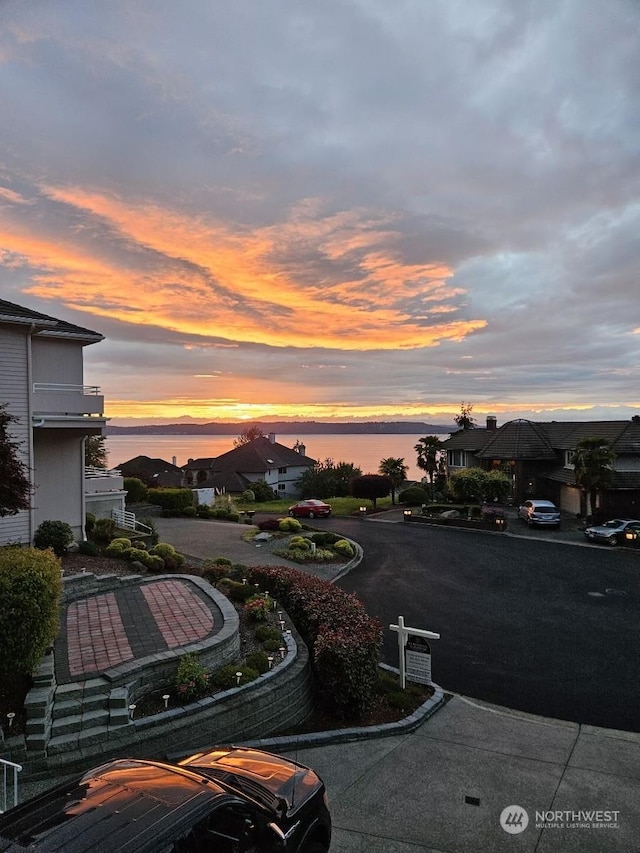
column 339, row 506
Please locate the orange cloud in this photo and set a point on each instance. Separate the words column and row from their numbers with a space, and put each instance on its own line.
column 195, row 275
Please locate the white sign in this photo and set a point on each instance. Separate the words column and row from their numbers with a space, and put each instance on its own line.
column 419, row 664
column 417, row 660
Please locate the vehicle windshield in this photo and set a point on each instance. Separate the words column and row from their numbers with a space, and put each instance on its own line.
column 616, row 522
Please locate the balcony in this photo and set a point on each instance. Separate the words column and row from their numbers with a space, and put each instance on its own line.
column 99, row 481
column 55, row 400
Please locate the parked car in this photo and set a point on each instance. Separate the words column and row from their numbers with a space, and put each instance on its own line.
column 225, row 800
column 613, row 532
column 538, row 512
column 311, row 508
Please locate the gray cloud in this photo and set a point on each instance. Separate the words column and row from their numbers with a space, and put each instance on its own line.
column 352, row 148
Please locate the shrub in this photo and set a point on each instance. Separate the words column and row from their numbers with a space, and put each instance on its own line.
column 135, row 555
column 248, row 496
column 171, row 499
column 172, row 559
column 117, row 547
column 343, row 547
column 136, row 490
column 263, row 492
column 239, row 592
column 203, row 511
column 30, row 588
column 269, row 524
column 289, row 525
column 324, row 538
column 344, row 642
column 258, row 607
column 149, row 522
column 56, row 535
column 189, row 512
column 104, row 530
column 153, row 563
column 89, row 523
column 413, row 496
column 226, row 676
column 258, row 661
column 191, row 680
column 300, row 542
column 88, row 548
column 267, row 633
column 214, row 572
column 223, row 561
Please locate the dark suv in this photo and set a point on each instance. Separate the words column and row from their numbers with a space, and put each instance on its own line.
column 230, row 800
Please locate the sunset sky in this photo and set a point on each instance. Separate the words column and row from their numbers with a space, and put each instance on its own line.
column 330, row 209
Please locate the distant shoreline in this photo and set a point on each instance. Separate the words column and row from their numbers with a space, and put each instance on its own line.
column 288, row 428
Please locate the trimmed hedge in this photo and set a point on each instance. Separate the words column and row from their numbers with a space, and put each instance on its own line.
column 171, row 499
column 30, row 589
column 344, row 642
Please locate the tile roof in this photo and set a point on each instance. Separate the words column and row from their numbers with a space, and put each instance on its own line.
column 47, row 326
column 260, row 455
column 519, row 439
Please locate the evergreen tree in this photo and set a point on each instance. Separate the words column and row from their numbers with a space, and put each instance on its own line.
column 464, row 419
column 95, row 453
column 248, row 434
column 15, row 486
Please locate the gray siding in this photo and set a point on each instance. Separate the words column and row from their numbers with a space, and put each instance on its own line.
column 57, row 361
column 14, row 391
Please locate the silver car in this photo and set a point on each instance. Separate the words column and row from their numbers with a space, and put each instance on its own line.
column 539, row 512
column 613, row 532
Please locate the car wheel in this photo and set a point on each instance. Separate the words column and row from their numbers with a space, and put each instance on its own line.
column 292, row 513
column 613, row 540
column 312, row 515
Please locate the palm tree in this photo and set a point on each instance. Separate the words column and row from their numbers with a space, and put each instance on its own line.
column 396, row 471
column 429, row 450
column 592, row 465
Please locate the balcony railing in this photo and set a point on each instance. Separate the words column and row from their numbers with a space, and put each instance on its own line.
column 98, row 480
column 9, row 766
column 57, row 398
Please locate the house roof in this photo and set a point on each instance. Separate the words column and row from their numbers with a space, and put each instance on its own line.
column 149, row 465
column 519, row 439
column 258, row 456
column 45, row 326
column 523, row 439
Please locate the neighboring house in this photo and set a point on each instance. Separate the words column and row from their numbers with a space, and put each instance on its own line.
column 41, row 381
column 538, row 458
column 261, row 459
column 152, row 472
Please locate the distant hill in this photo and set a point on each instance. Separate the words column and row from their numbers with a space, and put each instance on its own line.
column 289, row 428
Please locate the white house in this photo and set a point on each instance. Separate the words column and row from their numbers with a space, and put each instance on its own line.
column 41, row 383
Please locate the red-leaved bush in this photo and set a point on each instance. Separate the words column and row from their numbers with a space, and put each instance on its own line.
column 344, row 642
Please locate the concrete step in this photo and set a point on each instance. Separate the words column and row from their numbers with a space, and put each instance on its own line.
column 77, row 740
column 71, row 707
column 80, row 689
column 79, row 722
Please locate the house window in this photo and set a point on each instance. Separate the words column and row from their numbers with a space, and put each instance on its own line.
column 568, row 459
column 457, row 458
column 282, row 487
column 282, row 470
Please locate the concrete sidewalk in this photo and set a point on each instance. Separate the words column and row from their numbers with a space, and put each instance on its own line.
column 444, row 786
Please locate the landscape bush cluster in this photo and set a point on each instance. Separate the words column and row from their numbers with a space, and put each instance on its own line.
column 343, row 641
column 162, row 557
column 30, row 590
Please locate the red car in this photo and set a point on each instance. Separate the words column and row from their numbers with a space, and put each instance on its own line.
column 311, row 508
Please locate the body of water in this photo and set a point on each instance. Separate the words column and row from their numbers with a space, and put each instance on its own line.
column 364, row 451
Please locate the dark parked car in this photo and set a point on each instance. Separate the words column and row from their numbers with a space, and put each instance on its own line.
column 539, row 512
column 613, row 532
column 228, row 800
column 311, row 508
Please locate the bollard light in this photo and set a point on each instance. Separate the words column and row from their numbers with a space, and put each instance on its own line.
column 10, row 716
column 166, row 700
column 283, row 651
column 132, row 710
column 238, row 677
column 270, row 660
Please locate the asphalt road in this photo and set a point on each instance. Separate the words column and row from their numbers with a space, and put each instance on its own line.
column 548, row 628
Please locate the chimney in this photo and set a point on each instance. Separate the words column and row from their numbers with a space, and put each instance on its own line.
column 492, row 422
column 272, row 438
column 302, row 450
column 174, row 461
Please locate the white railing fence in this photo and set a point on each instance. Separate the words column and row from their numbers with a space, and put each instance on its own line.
column 127, row 520
column 6, row 767
column 60, row 387
column 90, row 471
